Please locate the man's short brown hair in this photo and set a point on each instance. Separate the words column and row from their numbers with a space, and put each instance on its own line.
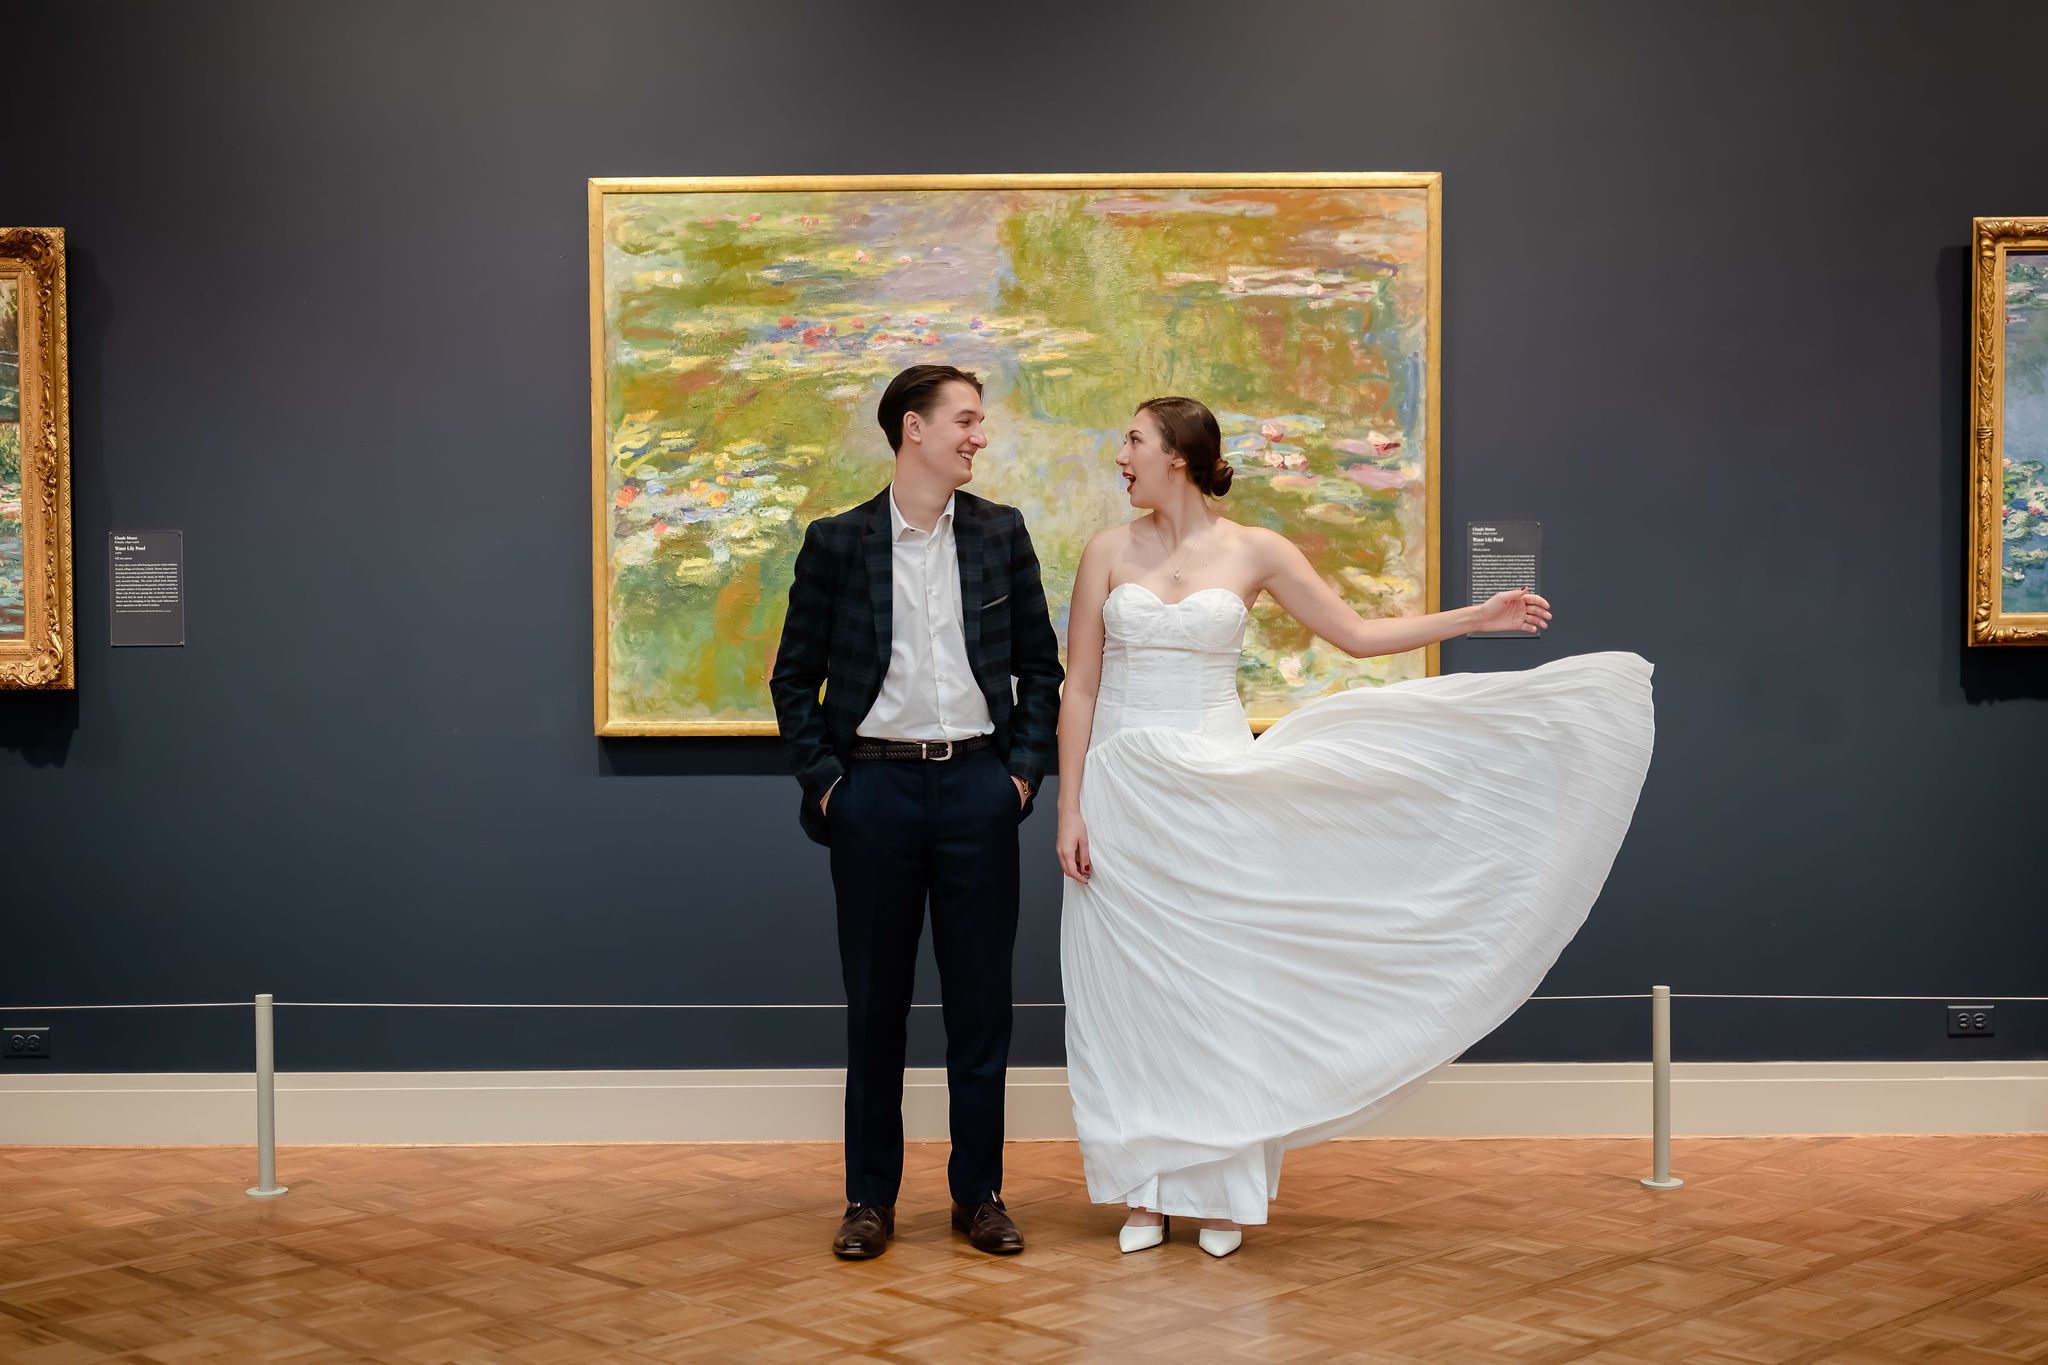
column 916, row 390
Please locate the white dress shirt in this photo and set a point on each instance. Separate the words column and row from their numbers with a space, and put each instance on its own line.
column 929, row 691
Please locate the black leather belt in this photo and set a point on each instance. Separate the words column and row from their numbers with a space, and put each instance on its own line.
column 929, row 750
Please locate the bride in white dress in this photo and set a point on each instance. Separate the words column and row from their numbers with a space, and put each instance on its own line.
column 1266, row 943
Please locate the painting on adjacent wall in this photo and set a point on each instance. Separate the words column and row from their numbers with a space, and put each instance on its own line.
column 2009, row 433
column 36, row 646
column 742, row 332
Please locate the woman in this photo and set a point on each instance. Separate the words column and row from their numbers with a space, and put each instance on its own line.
column 1264, row 944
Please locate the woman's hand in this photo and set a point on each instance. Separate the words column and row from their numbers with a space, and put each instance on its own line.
column 1073, row 845
column 1518, row 610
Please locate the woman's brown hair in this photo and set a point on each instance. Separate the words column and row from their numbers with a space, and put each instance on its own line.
column 1191, row 432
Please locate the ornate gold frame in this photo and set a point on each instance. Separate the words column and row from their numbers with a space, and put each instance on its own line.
column 1431, row 181
column 43, row 657
column 1992, row 239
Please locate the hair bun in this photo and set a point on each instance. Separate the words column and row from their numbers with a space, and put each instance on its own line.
column 1219, row 479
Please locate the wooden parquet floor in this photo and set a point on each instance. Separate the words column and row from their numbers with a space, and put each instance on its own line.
column 1871, row 1249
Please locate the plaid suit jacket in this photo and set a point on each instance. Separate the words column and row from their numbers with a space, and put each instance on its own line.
column 837, row 636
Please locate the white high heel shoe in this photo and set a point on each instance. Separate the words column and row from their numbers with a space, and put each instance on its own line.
column 1218, row 1242
column 1142, row 1237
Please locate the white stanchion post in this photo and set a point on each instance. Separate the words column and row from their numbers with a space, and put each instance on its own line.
column 1660, row 1177
column 266, row 1103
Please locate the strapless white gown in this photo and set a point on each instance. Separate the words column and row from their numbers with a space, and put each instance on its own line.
column 1281, row 937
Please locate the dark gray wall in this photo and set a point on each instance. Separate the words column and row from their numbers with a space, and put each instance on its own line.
column 1704, row 315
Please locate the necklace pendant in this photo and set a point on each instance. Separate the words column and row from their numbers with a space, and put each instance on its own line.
column 1176, row 575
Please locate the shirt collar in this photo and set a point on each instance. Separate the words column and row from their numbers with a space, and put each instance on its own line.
column 897, row 525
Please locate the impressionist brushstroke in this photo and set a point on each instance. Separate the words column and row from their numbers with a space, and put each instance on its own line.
column 747, row 338
column 2023, row 568
column 13, row 624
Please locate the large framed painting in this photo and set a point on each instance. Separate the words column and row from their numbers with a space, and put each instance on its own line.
column 2009, row 433
column 35, row 464
column 742, row 331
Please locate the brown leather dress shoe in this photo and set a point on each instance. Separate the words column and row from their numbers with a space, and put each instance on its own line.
column 988, row 1227
column 864, row 1233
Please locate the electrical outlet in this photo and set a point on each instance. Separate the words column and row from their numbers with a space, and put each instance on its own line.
column 17, row 1044
column 1970, row 1021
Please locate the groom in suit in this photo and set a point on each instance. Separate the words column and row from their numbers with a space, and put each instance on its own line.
column 921, row 615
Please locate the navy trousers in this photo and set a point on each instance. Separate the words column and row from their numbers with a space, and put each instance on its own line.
column 905, row 834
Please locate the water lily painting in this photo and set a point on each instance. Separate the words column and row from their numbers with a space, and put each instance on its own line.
column 742, row 333
column 13, row 618
column 2009, row 503
column 35, row 469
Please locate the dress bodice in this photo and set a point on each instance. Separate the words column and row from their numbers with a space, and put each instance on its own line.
column 1171, row 665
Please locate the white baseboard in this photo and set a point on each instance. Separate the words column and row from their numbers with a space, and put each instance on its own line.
column 1475, row 1100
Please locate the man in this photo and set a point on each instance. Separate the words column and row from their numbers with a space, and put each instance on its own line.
column 915, row 611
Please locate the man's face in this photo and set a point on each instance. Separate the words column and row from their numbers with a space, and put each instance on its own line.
column 945, row 442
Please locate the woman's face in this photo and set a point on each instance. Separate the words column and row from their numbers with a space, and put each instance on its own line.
column 1150, row 470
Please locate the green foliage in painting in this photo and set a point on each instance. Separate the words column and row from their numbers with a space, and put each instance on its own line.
column 12, row 571
column 2024, row 523
column 11, row 567
column 10, row 356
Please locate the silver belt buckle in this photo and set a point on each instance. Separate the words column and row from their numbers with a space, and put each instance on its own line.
column 924, row 750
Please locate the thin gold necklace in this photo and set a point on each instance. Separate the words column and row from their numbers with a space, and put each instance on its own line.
column 1187, row 544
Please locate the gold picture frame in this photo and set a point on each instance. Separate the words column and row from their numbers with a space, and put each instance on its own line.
column 1406, row 582
column 36, row 635
column 2008, row 591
